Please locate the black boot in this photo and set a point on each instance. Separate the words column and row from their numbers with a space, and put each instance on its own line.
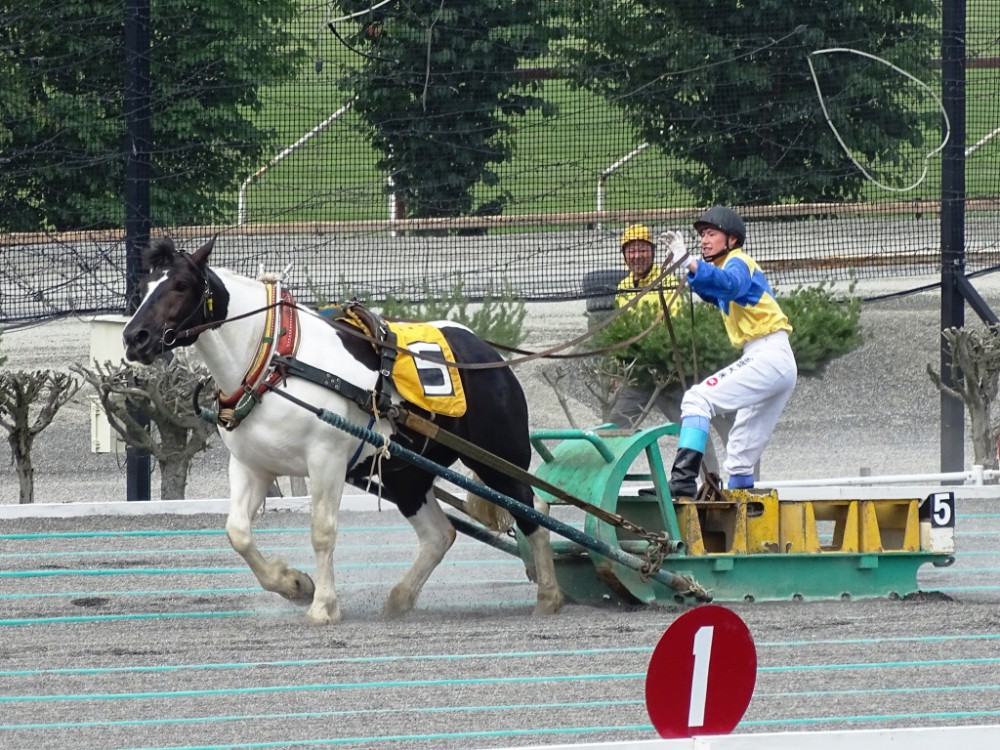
column 684, row 474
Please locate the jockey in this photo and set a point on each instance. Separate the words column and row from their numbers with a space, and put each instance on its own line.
column 758, row 385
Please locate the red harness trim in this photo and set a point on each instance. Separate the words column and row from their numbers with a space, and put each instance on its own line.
column 282, row 342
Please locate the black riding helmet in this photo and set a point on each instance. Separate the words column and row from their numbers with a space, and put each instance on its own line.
column 725, row 220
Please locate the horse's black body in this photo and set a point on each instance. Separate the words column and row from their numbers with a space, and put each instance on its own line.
column 496, row 421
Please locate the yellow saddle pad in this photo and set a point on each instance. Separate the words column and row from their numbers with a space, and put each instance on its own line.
column 427, row 382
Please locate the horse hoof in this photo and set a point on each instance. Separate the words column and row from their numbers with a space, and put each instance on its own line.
column 321, row 614
column 548, row 605
column 398, row 604
column 301, row 589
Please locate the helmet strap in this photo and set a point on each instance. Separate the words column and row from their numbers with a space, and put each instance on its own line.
column 721, row 253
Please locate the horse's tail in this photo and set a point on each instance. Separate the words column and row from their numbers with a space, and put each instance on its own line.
column 490, row 515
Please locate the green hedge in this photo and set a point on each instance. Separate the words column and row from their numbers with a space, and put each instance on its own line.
column 825, row 327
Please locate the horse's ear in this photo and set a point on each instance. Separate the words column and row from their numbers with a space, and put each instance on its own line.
column 200, row 256
column 160, row 254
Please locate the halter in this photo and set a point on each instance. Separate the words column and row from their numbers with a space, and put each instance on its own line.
column 169, row 337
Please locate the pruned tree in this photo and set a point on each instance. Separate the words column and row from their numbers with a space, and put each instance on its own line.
column 162, row 394
column 29, row 401
column 976, row 352
column 603, row 378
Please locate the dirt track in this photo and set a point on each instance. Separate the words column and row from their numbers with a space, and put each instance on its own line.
column 150, row 633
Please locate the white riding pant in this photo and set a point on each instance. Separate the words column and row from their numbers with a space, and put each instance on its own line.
column 756, row 386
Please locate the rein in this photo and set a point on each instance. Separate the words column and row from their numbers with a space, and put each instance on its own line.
column 202, row 327
column 551, row 353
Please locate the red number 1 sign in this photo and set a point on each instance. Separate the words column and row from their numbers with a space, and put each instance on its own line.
column 701, row 674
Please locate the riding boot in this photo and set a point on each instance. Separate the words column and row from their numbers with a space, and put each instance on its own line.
column 684, row 474
column 690, row 451
column 740, row 482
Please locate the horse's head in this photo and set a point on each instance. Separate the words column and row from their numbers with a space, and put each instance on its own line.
column 179, row 293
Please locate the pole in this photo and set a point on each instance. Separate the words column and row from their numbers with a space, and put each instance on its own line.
column 137, row 205
column 952, row 223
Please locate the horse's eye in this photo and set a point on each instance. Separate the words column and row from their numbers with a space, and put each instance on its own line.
column 182, row 286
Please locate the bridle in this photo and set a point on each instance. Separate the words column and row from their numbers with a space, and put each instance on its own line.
column 206, row 306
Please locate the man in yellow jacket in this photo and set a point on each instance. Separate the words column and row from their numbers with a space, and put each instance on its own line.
column 638, row 251
column 758, row 385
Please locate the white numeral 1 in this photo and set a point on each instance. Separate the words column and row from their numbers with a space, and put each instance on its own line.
column 702, row 653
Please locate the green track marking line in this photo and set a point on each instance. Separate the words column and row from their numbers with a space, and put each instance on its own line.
column 374, row 740
column 141, row 616
column 186, row 532
column 342, row 586
column 319, row 715
column 234, row 571
column 379, row 685
column 489, row 656
column 874, row 717
column 457, row 682
column 224, row 550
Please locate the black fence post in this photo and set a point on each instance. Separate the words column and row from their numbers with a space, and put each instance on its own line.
column 952, row 223
column 137, row 206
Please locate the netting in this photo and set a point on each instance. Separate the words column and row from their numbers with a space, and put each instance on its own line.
column 416, row 147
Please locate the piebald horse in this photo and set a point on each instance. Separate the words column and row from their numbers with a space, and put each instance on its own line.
column 218, row 312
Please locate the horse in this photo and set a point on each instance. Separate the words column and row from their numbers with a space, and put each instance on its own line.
column 224, row 316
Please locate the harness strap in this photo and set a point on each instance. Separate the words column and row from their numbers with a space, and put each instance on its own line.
column 363, row 398
column 280, row 339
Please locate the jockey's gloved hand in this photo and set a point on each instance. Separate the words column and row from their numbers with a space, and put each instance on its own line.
column 673, row 240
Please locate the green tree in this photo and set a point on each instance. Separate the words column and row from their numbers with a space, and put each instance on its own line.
column 438, row 86
column 725, row 87
column 61, row 107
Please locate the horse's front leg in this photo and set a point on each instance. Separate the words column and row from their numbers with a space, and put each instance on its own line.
column 247, row 492
column 327, row 490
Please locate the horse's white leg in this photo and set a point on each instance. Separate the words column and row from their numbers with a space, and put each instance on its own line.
column 435, row 535
column 326, row 495
column 247, row 491
column 550, row 597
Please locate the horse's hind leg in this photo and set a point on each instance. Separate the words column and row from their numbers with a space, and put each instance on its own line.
column 248, row 489
column 435, row 535
column 550, row 598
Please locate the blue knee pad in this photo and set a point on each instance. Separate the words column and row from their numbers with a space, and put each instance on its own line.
column 740, row 481
column 694, row 433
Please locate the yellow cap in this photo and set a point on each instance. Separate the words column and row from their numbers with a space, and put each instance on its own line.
column 637, row 232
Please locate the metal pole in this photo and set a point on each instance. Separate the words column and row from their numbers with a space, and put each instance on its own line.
column 952, row 223
column 137, row 205
column 682, row 584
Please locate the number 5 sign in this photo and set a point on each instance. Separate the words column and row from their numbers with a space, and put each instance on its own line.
column 701, row 674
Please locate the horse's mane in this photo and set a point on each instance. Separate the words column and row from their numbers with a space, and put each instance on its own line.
column 160, row 254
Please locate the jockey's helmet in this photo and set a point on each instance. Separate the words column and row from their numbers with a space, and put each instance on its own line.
column 637, row 232
column 725, row 220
